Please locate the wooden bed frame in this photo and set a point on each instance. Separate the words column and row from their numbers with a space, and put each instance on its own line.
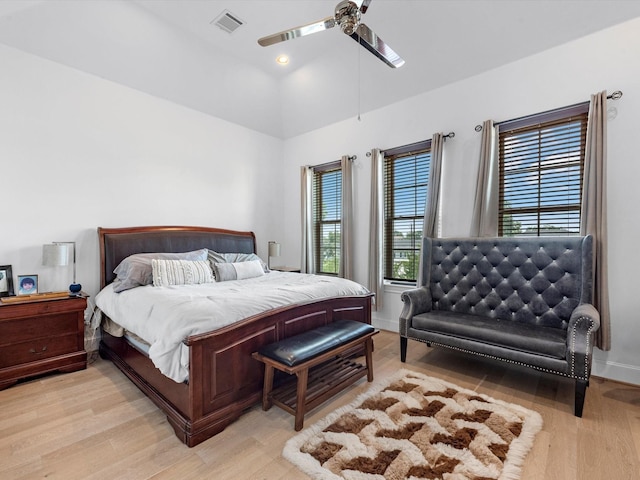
column 224, row 379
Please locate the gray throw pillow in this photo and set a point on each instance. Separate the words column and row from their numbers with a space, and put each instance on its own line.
column 136, row 270
column 216, row 257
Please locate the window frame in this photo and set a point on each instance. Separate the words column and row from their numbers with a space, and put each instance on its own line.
column 541, row 122
column 390, row 216
column 319, row 173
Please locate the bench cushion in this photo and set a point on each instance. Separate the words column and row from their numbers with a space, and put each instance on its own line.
column 548, row 341
column 300, row 348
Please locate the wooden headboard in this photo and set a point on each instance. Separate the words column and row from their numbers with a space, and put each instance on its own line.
column 118, row 243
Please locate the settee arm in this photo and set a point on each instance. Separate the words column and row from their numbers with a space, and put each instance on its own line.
column 584, row 320
column 416, row 301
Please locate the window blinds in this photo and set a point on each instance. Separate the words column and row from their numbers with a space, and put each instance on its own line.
column 327, row 208
column 541, row 167
column 406, row 176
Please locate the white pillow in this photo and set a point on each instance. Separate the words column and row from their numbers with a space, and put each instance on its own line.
column 238, row 270
column 180, row 272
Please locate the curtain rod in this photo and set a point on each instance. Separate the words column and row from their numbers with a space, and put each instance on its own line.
column 331, row 164
column 614, row 96
column 411, row 145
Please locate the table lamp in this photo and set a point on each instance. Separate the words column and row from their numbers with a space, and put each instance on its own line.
column 274, row 251
column 57, row 254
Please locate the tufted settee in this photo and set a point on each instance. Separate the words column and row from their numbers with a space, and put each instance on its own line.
column 524, row 300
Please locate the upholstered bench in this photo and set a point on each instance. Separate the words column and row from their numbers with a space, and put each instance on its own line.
column 318, row 359
column 522, row 300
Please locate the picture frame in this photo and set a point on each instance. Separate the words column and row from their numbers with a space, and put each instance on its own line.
column 6, row 281
column 27, row 284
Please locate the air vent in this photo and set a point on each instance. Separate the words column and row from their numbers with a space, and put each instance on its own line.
column 227, row 21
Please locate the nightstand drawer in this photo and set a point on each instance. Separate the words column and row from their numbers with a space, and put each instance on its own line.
column 16, row 331
column 34, row 350
column 41, row 336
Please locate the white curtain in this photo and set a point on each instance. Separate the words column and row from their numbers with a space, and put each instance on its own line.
column 484, row 222
column 593, row 218
column 432, row 207
column 376, row 227
column 306, row 189
column 432, row 204
column 346, row 228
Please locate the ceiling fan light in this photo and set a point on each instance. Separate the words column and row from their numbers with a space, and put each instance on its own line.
column 282, row 60
column 348, row 27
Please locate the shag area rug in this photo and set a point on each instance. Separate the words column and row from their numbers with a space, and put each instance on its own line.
column 411, row 426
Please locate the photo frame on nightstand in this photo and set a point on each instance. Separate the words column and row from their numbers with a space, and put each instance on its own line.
column 27, row 284
column 6, row 281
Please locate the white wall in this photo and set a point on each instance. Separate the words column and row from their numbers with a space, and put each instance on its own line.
column 79, row 152
column 562, row 76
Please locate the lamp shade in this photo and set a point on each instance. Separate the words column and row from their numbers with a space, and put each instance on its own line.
column 274, row 249
column 55, row 255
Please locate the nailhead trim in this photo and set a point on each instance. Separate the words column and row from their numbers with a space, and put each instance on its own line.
column 555, row 372
column 573, row 345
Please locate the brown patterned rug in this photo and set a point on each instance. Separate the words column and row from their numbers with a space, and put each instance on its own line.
column 417, row 427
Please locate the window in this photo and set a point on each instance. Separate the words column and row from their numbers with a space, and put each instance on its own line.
column 327, row 208
column 406, row 175
column 541, row 162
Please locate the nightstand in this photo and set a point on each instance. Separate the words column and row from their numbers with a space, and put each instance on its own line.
column 286, row 269
column 42, row 336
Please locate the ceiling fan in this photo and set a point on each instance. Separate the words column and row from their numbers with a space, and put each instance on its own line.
column 347, row 17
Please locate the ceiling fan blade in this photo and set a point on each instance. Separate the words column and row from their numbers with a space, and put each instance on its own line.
column 296, row 32
column 372, row 42
column 364, row 5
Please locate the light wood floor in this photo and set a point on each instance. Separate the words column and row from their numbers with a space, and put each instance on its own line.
column 95, row 424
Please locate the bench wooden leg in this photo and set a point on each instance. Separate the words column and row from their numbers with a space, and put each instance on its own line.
column 303, row 376
column 267, row 387
column 368, row 352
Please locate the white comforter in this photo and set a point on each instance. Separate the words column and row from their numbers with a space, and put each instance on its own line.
column 165, row 316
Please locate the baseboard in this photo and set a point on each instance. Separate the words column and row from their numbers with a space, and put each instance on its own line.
column 384, row 324
column 616, row 371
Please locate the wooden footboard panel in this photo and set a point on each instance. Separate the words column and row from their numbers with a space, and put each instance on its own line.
column 224, row 379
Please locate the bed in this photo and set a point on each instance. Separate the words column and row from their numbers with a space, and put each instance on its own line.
column 223, row 378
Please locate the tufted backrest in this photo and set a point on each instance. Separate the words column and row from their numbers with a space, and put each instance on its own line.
column 535, row 280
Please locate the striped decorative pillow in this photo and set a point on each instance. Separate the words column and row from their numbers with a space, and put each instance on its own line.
column 180, row 272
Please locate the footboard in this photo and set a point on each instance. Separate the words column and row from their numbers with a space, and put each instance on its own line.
column 224, row 379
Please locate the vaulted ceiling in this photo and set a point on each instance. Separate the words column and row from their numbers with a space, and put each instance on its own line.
column 171, row 49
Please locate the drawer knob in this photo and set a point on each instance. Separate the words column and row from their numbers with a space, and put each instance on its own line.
column 33, row 350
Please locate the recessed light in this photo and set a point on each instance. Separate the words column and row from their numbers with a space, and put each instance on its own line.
column 282, row 60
